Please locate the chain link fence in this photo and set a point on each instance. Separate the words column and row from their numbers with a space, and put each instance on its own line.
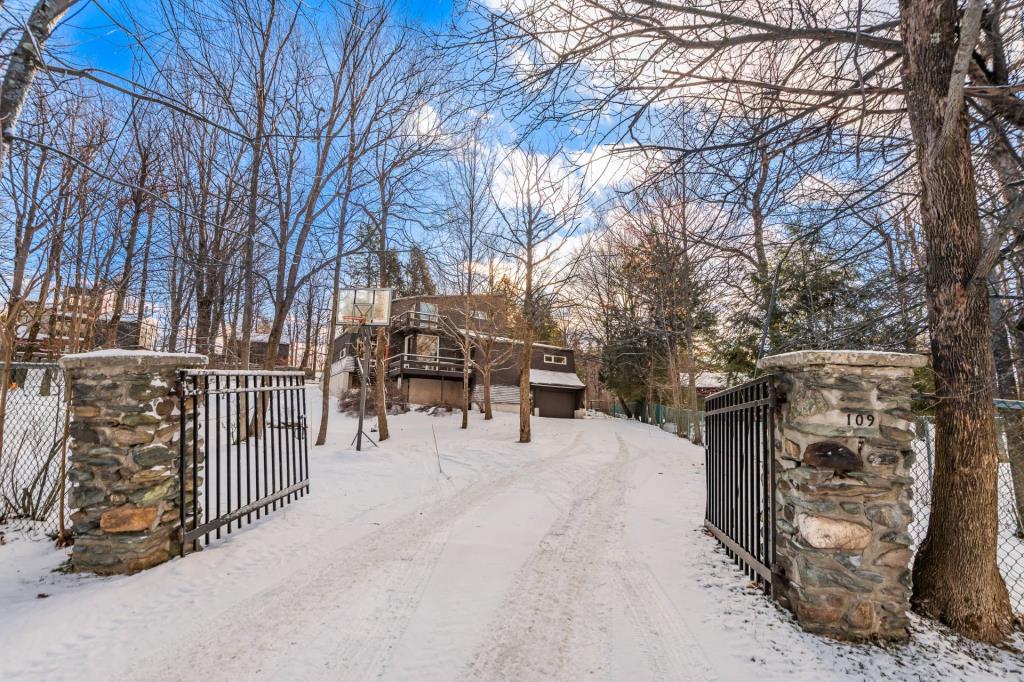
column 671, row 419
column 1010, row 423
column 32, row 448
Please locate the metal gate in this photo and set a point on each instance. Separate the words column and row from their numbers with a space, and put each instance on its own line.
column 248, row 431
column 740, row 484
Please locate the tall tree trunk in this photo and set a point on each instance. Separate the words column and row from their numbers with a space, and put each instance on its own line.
column 382, row 333
column 488, row 414
column 465, row 387
column 325, row 378
column 124, row 282
column 144, row 274
column 524, row 386
column 525, row 406
column 467, row 351
column 956, row 577
column 24, row 63
column 694, row 399
column 248, row 252
column 381, row 384
column 204, row 324
column 308, row 338
column 675, row 382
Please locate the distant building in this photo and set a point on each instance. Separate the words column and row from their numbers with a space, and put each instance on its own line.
column 259, row 349
column 425, row 358
column 707, row 382
column 80, row 320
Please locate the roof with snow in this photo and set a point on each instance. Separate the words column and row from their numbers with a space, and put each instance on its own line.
column 705, row 379
column 505, row 339
column 546, row 377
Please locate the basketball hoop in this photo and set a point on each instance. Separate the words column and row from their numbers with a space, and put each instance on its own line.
column 364, row 307
column 351, row 321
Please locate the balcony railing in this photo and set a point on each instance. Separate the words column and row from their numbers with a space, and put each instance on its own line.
column 403, row 362
column 414, row 319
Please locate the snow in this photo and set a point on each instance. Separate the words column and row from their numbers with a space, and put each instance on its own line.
column 546, row 377
column 706, row 380
column 579, row 555
column 506, row 339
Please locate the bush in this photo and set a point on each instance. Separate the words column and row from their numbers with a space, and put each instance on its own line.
column 435, row 409
column 349, row 404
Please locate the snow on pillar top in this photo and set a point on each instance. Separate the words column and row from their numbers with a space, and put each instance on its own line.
column 127, row 359
column 851, row 358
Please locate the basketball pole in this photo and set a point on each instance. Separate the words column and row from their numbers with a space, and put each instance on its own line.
column 361, row 311
column 363, row 330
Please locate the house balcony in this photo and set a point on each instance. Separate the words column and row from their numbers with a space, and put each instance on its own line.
column 408, row 364
column 415, row 320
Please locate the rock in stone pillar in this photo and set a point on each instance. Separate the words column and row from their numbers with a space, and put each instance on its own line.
column 843, row 434
column 124, row 467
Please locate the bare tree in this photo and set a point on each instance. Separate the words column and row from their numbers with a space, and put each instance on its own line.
column 541, row 206
column 468, row 221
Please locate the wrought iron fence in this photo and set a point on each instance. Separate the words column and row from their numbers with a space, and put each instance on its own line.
column 249, row 432
column 32, row 447
column 1010, row 423
column 739, row 457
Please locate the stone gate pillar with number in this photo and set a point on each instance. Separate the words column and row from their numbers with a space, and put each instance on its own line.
column 124, row 465
column 843, row 437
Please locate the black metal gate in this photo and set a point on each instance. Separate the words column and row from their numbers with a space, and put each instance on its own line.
column 740, row 484
column 249, row 431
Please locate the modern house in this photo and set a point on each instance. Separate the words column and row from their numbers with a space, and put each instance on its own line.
column 425, row 357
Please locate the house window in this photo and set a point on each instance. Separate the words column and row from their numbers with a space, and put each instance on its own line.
column 427, row 345
column 428, row 309
column 479, row 315
column 555, row 359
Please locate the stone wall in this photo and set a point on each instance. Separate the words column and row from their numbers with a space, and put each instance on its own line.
column 124, row 467
column 842, row 455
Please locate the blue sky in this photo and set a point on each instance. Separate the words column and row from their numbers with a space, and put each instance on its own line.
column 92, row 39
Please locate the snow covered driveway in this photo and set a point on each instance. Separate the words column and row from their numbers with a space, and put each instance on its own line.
column 577, row 556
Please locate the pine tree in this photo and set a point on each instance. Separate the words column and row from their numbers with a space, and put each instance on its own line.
column 418, row 280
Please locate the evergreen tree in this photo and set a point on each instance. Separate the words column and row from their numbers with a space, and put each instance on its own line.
column 365, row 266
column 418, row 280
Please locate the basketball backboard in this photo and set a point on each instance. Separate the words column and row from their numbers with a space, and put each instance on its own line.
column 364, row 306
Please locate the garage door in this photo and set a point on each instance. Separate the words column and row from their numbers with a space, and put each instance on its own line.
column 560, row 404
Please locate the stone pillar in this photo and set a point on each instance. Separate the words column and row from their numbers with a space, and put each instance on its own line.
column 843, row 437
column 124, row 467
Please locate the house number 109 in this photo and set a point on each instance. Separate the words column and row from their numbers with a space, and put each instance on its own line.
column 860, row 420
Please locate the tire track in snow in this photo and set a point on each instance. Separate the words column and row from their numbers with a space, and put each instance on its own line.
column 547, row 626
column 665, row 640
column 332, row 620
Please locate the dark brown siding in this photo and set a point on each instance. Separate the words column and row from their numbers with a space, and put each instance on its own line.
column 509, row 374
column 538, row 359
column 452, row 307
